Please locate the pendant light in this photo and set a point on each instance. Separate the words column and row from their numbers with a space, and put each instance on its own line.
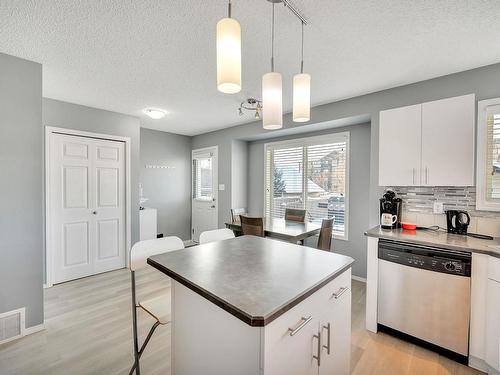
column 272, row 87
column 302, row 90
column 228, row 54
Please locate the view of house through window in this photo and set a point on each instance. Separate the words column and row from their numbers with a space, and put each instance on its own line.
column 309, row 174
column 202, row 178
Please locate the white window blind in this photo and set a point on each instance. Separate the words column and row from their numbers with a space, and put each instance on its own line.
column 202, row 179
column 309, row 174
column 493, row 153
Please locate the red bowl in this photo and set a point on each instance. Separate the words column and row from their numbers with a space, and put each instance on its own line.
column 409, row 226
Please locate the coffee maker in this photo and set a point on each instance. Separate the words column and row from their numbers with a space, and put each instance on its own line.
column 390, row 204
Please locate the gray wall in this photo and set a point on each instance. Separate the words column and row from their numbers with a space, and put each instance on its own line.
column 482, row 81
column 168, row 190
column 73, row 116
column 359, row 179
column 239, row 182
column 21, row 188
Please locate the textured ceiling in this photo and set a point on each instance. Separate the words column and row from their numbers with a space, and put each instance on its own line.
column 125, row 55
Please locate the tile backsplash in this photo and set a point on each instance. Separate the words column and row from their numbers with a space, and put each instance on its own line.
column 418, row 203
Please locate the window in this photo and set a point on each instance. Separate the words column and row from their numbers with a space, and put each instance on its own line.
column 488, row 156
column 311, row 174
column 202, row 178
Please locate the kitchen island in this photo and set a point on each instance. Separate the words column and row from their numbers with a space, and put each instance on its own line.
column 251, row 305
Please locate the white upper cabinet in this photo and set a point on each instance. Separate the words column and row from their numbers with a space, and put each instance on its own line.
column 429, row 144
column 400, row 146
column 448, row 142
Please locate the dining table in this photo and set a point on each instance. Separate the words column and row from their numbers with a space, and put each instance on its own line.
column 287, row 230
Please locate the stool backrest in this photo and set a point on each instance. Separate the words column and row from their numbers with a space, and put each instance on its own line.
column 142, row 250
column 325, row 235
column 216, row 235
column 294, row 214
column 252, row 226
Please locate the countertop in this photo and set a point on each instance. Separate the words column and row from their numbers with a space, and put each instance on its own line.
column 253, row 278
column 440, row 239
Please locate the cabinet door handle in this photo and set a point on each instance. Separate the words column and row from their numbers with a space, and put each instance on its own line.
column 303, row 322
column 426, row 175
column 413, row 176
column 318, row 357
column 327, row 346
column 339, row 292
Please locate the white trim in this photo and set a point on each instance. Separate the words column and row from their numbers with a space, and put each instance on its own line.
column 34, row 329
column 318, row 140
column 215, row 151
column 357, row 278
column 49, row 258
column 481, row 202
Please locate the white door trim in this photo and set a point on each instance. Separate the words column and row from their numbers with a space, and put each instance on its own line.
column 215, row 150
column 49, row 256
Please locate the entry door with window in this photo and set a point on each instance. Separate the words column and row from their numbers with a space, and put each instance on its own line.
column 87, row 206
column 204, row 205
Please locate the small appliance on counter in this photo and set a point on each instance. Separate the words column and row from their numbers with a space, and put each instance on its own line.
column 390, row 210
column 457, row 221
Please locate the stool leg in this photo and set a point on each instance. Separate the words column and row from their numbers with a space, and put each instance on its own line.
column 136, row 366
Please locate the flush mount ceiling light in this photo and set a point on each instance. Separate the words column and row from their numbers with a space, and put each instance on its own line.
column 228, row 54
column 251, row 104
column 302, row 90
column 154, row 113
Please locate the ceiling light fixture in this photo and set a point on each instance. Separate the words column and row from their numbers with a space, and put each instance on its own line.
column 251, row 104
column 155, row 114
column 302, row 90
column 272, row 93
column 228, row 54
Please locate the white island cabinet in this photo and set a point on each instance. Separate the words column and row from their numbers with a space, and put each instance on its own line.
column 254, row 306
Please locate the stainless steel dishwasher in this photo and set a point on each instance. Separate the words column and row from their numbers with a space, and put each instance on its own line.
column 424, row 293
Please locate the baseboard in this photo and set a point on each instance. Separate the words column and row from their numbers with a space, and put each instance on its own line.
column 34, row 329
column 357, row 278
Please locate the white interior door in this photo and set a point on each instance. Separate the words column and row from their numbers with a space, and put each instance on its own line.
column 204, row 187
column 87, row 206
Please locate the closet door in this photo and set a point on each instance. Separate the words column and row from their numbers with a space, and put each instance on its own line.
column 87, row 206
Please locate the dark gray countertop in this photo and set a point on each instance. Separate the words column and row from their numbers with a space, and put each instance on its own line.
column 440, row 239
column 255, row 279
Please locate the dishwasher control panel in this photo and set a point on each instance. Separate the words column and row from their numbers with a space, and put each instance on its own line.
column 432, row 259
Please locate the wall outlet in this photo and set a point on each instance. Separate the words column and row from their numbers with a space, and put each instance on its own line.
column 222, row 187
column 438, row 208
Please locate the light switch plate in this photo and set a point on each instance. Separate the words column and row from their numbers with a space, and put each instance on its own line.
column 222, row 187
column 438, row 208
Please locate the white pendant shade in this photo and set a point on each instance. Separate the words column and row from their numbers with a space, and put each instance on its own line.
column 301, row 97
column 272, row 109
column 228, row 56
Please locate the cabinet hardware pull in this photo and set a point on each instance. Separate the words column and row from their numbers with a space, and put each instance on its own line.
column 339, row 292
column 318, row 357
column 426, row 175
column 413, row 176
column 327, row 346
column 304, row 321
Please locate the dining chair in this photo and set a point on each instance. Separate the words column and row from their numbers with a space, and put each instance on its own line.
column 159, row 307
column 294, row 214
column 252, row 226
column 216, row 235
column 325, row 235
column 236, row 213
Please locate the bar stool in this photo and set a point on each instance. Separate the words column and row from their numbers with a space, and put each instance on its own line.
column 216, row 235
column 159, row 307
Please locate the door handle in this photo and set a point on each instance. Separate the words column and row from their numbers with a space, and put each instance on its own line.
column 303, row 322
column 318, row 357
column 327, row 346
column 339, row 292
column 212, row 206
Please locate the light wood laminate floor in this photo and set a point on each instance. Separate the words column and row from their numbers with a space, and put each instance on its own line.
column 88, row 331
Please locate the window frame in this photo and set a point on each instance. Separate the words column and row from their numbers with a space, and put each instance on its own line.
column 313, row 141
column 482, row 203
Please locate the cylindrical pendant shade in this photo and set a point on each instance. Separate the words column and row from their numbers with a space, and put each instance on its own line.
column 301, row 97
column 272, row 110
column 228, row 56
